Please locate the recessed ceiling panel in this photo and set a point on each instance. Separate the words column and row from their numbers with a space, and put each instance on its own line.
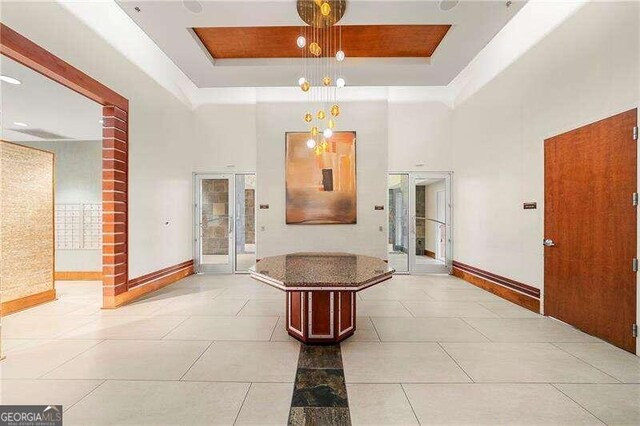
column 393, row 42
column 358, row 41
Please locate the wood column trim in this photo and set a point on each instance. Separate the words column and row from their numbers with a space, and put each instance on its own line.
column 27, row 302
column 29, row 54
column 115, row 151
column 148, row 283
column 506, row 288
column 78, row 275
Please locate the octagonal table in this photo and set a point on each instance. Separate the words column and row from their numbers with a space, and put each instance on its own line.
column 320, row 290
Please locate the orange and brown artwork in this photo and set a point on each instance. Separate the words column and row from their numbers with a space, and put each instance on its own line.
column 321, row 181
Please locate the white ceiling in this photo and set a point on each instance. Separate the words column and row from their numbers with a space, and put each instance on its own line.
column 168, row 23
column 44, row 104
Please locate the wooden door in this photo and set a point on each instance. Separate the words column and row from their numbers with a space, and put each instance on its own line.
column 590, row 178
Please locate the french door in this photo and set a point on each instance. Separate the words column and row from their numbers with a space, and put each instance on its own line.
column 224, row 222
column 420, row 222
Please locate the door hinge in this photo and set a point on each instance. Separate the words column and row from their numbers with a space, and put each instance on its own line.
column 635, row 133
column 634, row 330
column 635, row 264
column 635, row 199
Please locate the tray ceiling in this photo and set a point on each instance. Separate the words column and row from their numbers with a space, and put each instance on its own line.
column 240, row 43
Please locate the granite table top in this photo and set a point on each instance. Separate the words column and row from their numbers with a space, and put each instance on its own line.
column 321, row 271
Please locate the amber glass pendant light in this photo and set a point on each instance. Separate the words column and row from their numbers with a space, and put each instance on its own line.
column 320, row 44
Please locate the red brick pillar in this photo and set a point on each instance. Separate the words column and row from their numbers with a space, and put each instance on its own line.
column 115, row 164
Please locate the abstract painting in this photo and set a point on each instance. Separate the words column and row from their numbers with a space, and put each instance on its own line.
column 321, row 181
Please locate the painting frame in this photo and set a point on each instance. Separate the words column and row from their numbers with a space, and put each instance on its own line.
column 352, row 201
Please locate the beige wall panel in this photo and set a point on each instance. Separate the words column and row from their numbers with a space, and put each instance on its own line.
column 26, row 188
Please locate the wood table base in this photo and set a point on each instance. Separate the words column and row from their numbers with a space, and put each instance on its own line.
column 321, row 316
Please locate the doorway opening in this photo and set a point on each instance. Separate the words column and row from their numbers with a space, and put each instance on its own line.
column 111, row 236
column 225, row 222
column 420, row 236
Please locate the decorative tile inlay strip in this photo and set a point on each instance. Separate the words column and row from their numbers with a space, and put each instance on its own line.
column 319, row 393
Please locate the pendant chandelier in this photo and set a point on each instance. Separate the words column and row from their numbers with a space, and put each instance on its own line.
column 320, row 44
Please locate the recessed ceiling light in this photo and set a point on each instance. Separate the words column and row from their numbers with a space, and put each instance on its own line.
column 21, row 124
column 192, row 6
column 10, row 80
column 448, row 4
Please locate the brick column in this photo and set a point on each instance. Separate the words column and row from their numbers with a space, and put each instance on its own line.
column 115, row 162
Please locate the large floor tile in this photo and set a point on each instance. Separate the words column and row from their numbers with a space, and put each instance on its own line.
column 56, row 307
column 395, row 292
column 379, row 404
column 266, row 404
column 45, row 392
column 141, row 308
column 505, row 309
column 33, row 359
column 263, row 307
column 224, row 328
column 522, row 362
column 159, row 403
column 613, row 404
column 616, row 362
column 365, row 331
column 247, row 362
column 426, row 330
column 445, row 308
column 132, row 360
column 12, row 344
column 470, row 294
column 256, row 291
column 381, row 308
column 491, row 404
column 371, row 362
column 280, row 333
column 204, row 307
column 126, row 327
column 35, row 327
column 528, row 330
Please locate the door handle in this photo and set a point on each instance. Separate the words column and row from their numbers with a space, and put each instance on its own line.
column 548, row 243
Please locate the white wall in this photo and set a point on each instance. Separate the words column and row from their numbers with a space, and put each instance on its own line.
column 78, row 174
column 160, row 139
column 225, row 136
column 586, row 70
column 419, row 133
column 369, row 121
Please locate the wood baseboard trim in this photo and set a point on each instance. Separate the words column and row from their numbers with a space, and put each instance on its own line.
column 430, row 254
column 511, row 294
column 78, row 275
column 26, row 302
column 149, row 283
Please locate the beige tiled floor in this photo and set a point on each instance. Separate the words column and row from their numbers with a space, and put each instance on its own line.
column 213, row 349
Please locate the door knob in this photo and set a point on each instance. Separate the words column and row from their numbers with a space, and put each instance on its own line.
column 548, row 243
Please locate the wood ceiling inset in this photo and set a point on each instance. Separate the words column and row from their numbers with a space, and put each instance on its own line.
column 358, row 41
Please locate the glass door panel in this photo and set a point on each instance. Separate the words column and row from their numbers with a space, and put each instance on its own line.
column 430, row 250
column 214, row 223
column 398, row 242
column 245, row 235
